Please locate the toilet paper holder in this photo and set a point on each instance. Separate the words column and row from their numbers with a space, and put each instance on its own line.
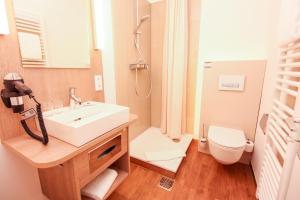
column 249, row 146
column 263, row 122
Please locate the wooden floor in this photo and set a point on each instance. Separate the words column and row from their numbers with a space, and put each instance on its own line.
column 200, row 177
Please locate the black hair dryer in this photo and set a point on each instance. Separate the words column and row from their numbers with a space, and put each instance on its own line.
column 12, row 97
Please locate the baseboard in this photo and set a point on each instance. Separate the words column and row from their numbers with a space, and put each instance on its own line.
column 152, row 167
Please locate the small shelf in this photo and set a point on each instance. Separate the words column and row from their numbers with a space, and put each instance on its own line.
column 122, row 175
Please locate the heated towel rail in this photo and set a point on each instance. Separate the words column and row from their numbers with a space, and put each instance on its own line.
column 282, row 134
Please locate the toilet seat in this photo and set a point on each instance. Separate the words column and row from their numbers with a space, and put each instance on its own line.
column 227, row 137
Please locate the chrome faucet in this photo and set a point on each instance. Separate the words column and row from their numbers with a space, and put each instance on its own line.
column 73, row 99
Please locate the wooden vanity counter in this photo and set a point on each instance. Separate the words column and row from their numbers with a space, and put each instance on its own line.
column 56, row 151
column 65, row 169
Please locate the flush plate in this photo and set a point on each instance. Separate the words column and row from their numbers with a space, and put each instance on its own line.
column 231, row 82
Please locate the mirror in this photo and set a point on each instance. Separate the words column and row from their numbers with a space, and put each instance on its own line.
column 54, row 33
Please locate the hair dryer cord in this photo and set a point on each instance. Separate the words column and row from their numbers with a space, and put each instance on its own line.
column 44, row 139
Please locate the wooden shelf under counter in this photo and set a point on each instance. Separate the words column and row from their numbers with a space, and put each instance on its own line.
column 122, row 175
column 65, row 169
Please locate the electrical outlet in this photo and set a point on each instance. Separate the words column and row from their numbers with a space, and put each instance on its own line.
column 98, row 83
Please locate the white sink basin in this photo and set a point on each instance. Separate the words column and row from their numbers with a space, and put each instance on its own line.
column 84, row 123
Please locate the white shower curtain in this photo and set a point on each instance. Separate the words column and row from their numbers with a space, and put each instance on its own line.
column 173, row 117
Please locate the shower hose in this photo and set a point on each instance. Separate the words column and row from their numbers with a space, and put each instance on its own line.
column 141, row 60
column 137, row 83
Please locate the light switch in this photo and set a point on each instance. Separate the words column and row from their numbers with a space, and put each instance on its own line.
column 98, row 83
column 231, row 82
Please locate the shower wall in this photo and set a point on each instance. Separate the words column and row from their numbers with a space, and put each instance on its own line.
column 149, row 110
column 158, row 15
column 124, row 23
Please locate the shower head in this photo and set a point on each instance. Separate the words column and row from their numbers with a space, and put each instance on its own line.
column 142, row 20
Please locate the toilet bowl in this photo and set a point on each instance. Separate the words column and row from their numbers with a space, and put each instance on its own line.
column 226, row 145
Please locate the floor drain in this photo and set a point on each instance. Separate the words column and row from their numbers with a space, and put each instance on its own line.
column 166, row 183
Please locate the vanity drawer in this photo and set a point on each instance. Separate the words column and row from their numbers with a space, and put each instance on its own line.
column 105, row 152
column 90, row 163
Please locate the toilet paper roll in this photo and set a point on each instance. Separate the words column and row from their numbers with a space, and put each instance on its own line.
column 249, row 146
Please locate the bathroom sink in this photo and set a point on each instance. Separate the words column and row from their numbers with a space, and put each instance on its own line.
column 84, row 122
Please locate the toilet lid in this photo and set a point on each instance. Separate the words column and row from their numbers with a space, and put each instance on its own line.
column 227, row 137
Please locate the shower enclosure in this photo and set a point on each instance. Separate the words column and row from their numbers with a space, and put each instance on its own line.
column 163, row 144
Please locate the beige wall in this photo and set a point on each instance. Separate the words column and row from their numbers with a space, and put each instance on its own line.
column 158, row 18
column 231, row 30
column 124, row 23
column 194, row 36
column 158, row 15
column 18, row 179
column 232, row 109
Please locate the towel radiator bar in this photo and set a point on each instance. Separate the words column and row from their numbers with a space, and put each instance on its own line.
column 283, row 128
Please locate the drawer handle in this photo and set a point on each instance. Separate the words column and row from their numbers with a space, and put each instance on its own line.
column 107, row 151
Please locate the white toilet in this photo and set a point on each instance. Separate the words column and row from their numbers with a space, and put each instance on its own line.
column 226, row 145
